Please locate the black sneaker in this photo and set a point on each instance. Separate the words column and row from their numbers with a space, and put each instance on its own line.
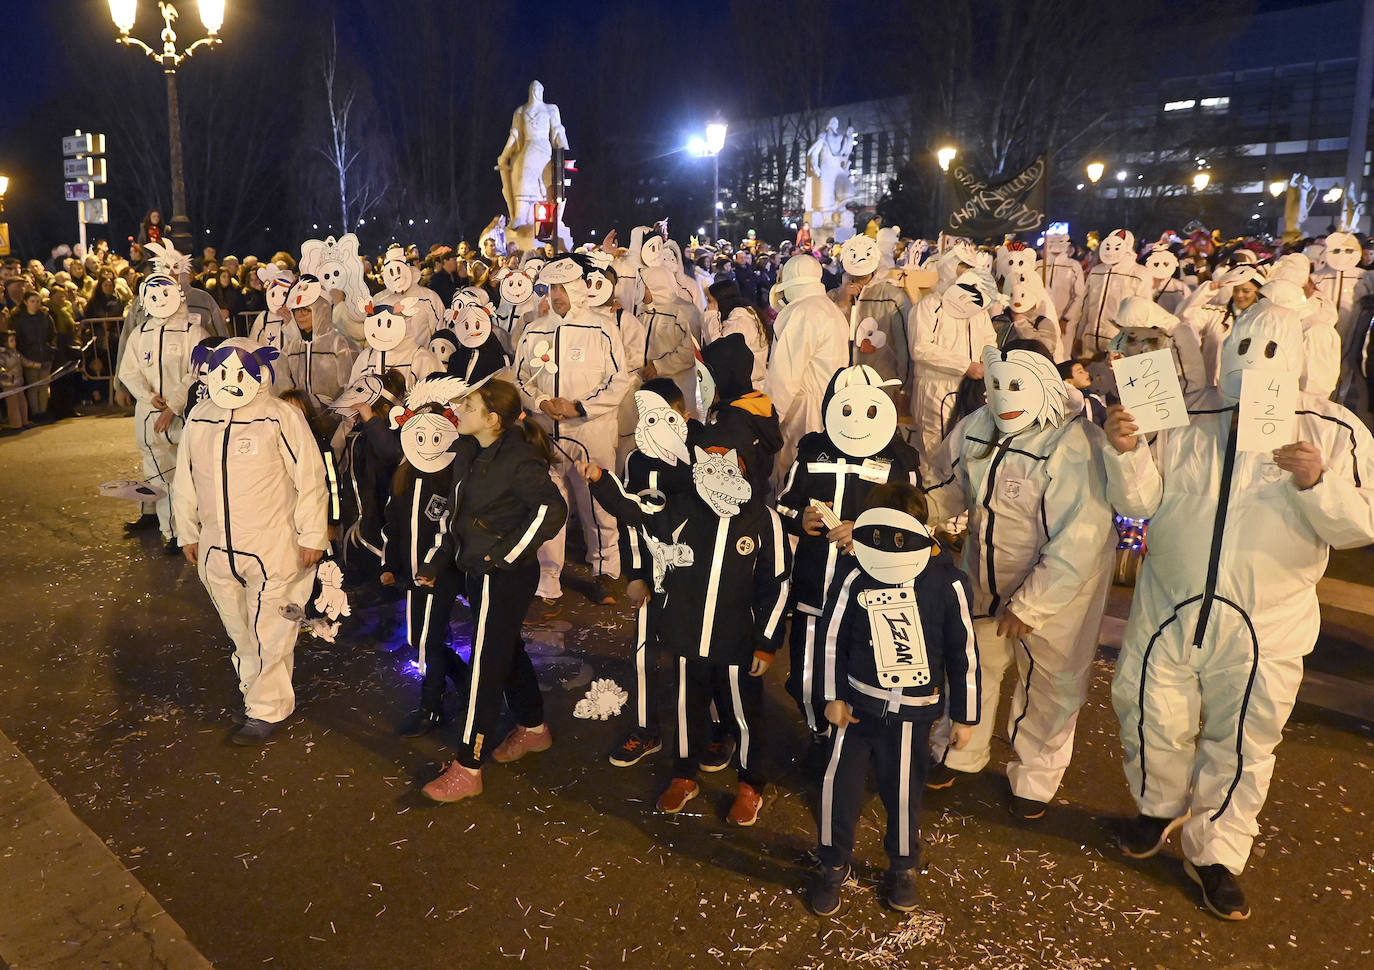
column 1027, row 808
column 717, row 755
column 600, row 595
column 171, row 548
column 899, row 890
column 940, row 776
column 238, row 717
column 141, row 524
column 254, row 731
column 823, row 894
column 634, row 749
column 420, row 722
column 1145, row 835
column 1220, row 891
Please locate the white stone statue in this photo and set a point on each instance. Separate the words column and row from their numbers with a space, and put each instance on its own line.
column 1298, row 202
column 827, row 169
column 1352, row 209
column 525, row 163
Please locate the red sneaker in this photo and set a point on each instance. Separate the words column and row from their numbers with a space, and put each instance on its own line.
column 520, row 742
column 455, row 784
column 745, row 811
column 679, row 792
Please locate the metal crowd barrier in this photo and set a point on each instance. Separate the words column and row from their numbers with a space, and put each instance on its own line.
column 98, row 338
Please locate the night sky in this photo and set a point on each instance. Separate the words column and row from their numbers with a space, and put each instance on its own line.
column 671, row 66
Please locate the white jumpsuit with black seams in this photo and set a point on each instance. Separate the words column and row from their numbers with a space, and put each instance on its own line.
column 1040, row 543
column 1106, row 287
column 256, row 496
column 158, row 363
column 811, row 342
column 580, row 358
column 942, row 348
column 1225, row 610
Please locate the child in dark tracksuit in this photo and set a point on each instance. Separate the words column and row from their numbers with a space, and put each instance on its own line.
column 724, row 581
column 415, row 513
column 742, row 411
column 879, row 723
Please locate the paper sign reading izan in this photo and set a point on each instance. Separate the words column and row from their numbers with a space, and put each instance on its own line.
column 899, row 644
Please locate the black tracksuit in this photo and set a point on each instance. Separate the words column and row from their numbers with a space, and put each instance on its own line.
column 414, row 516
column 371, row 456
column 714, row 613
column 826, row 474
column 743, row 414
column 504, row 506
column 893, row 728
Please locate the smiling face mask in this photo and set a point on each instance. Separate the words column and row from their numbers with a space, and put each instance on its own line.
column 1118, row 247
column 891, row 546
column 1027, row 292
column 516, row 286
column 1267, row 337
column 720, row 482
column 427, row 438
column 860, row 418
column 385, row 326
column 599, row 288
column 161, row 296
column 1342, row 252
column 1023, row 389
column 396, row 272
column 1161, row 264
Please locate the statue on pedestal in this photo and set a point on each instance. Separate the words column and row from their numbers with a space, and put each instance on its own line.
column 827, row 169
column 525, row 163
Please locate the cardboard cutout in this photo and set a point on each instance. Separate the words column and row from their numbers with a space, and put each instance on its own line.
column 1266, row 337
column 1342, row 252
column 973, row 292
column 276, row 284
column 720, row 482
column 234, row 373
column 361, row 394
column 860, row 418
column 706, row 384
column 305, row 292
column 1161, row 264
column 891, row 546
column 336, row 265
column 1023, row 389
column 516, row 285
column 385, row 326
column 161, row 296
column 397, row 274
column 472, row 326
column 599, row 288
column 1025, row 292
column 167, row 260
column 661, row 432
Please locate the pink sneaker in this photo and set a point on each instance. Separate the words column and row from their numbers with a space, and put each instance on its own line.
column 455, row 784
column 520, row 742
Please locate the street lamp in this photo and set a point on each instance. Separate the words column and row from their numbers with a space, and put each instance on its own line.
column 712, row 145
column 1277, row 187
column 1333, row 194
column 4, row 187
column 1095, row 170
column 123, row 13
column 944, row 156
column 1200, row 181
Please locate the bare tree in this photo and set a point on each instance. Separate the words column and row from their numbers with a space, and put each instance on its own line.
column 358, row 194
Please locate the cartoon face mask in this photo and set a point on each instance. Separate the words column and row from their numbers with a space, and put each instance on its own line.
column 234, row 374
column 860, row 418
column 517, row 286
column 426, row 438
column 661, row 432
column 385, row 326
column 305, row 292
column 1027, row 291
column 1023, row 389
column 1266, row 337
column 860, row 255
column 1118, row 247
column 473, row 326
column 1057, row 244
column 275, row 293
column 599, row 288
column 1342, row 252
column 161, row 296
column 395, row 270
column 719, row 481
column 891, row 546
column 442, row 345
column 470, row 296
column 969, row 294
column 706, row 384
column 651, row 249
column 1016, row 258
column 1161, row 264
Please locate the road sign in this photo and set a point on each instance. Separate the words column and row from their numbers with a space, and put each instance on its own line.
column 4, row 238
column 94, row 211
column 78, row 168
column 79, row 191
column 83, row 143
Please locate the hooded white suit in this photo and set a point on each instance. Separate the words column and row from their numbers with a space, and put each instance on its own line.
column 1321, row 343
column 810, row 343
column 1041, row 544
column 1142, row 313
column 949, row 334
column 1112, row 280
column 256, row 496
column 1226, row 605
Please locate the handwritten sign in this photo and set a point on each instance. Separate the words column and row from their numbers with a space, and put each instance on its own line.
column 1268, row 406
column 899, row 642
column 1148, row 387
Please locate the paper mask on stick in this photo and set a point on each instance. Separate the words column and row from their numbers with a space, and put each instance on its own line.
column 860, row 418
column 661, row 432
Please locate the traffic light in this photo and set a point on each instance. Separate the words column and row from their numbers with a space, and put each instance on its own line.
column 544, row 217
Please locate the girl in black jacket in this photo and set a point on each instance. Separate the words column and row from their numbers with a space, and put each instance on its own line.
column 504, row 506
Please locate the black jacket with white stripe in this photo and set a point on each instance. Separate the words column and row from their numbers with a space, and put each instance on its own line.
column 727, row 603
column 414, row 520
column 504, row 507
column 951, row 651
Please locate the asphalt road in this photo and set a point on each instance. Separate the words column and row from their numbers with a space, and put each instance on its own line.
column 316, row 851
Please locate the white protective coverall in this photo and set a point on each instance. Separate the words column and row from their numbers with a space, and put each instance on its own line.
column 256, row 496
column 1112, row 280
column 578, row 357
column 320, row 366
column 1321, row 344
column 810, row 343
column 403, row 283
column 155, row 361
column 1040, row 543
column 949, row 334
column 1226, row 604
